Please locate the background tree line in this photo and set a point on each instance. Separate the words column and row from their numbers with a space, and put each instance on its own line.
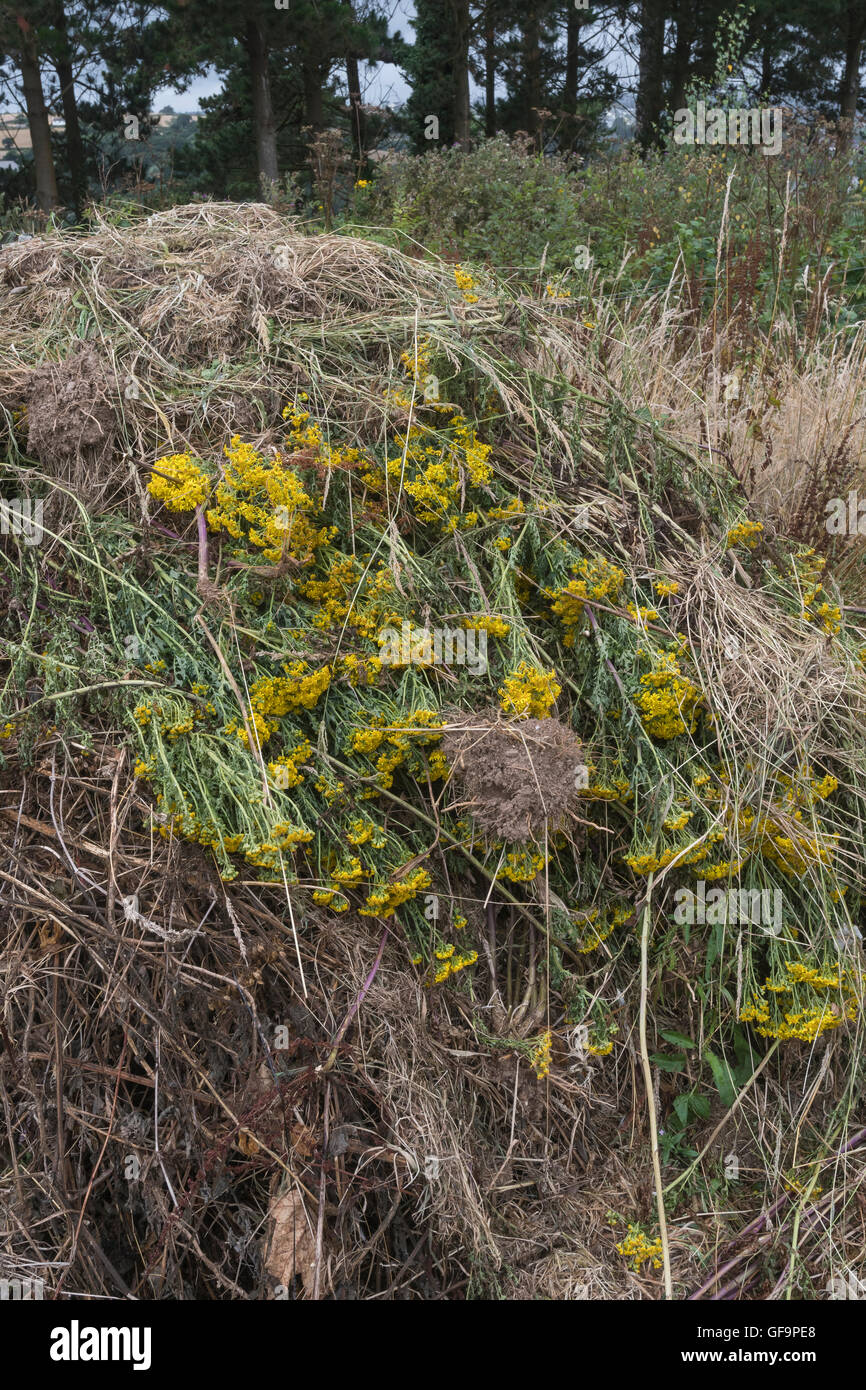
column 291, row 69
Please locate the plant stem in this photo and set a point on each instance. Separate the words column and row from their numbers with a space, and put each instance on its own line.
column 648, row 1082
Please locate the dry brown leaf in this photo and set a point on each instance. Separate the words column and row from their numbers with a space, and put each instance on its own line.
column 292, row 1249
column 247, row 1143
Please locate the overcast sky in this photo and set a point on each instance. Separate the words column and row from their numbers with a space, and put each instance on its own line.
column 384, row 85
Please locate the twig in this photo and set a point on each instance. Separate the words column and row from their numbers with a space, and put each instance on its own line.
column 648, row 1082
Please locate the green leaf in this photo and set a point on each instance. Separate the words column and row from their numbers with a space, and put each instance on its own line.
column 679, row 1039
column 664, row 1063
column 722, row 1077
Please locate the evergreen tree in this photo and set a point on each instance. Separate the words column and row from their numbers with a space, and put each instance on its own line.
column 437, row 66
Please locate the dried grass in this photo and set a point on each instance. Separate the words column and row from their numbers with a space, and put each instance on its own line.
column 164, row 1137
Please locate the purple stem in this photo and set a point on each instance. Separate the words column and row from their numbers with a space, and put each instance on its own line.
column 718, row 1274
column 362, row 993
column 172, row 535
column 753, row 1227
column 608, row 664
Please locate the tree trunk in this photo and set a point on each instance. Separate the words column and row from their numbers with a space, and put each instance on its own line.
column 855, row 27
column 314, row 107
column 356, row 112
column 462, row 110
column 74, row 144
column 532, row 67
column 572, row 55
column 263, row 109
column 37, row 119
column 682, row 54
column 648, row 106
column 489, row 71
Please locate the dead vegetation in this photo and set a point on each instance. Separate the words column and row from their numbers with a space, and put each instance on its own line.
column 213, row 1088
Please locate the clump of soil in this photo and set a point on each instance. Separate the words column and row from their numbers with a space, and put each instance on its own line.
column 72, row 421
column 516, row 774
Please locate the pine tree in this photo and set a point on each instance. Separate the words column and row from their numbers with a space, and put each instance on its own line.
column 20, row 39
column 437, row 66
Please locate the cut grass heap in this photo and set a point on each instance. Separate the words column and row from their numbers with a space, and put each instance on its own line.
column 358, row 519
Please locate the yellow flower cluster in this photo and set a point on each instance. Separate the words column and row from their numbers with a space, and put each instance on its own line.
column 177, row 818
column 638, row 1248
column 641, row 614
column 453, row 962
column 529, row 692
column 514, row 508
column 265, row 501
column 274, row 696
column 794, row 855
column 810, row 567
column 804, row 788
column 465, row 283
column 363, row 831
column 420, row 728
column 475, row 455
column 618, row 790
column 350, row 874
column 747, row 533
column 522, row 866
column 359, row 670
column 438, row 470
column 651, row 863
column 417, row 363
column 330, row 897
column 384, row 900
column 497, row 627
column 797, row 1007
column 669, row 702
column 601, row 926
column 366, row 740
column 596, row 579
column 179, row 483
column 728, row 868
column 540, row 1059
column 268, row 854
column 299, row 688
column 438, row 764
column 334, row 593
column 285, row 772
